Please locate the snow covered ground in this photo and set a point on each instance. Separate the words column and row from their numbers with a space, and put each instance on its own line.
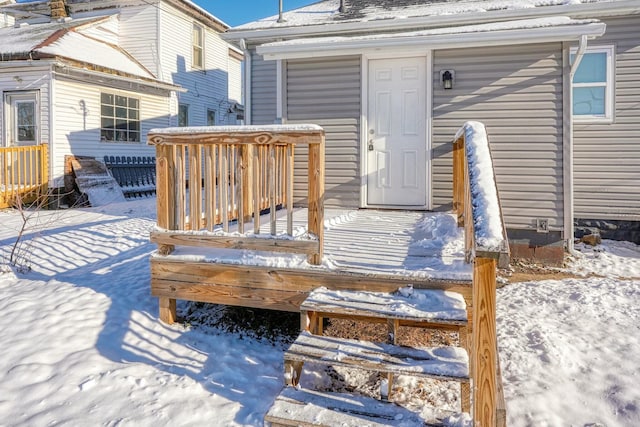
column 80, row 343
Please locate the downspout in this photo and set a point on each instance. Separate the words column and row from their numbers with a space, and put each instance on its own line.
column 246, row 78
column 568, row 191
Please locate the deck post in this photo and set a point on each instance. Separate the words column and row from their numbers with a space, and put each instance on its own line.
column 316, row 196
column 165, row 205
column 484, row 352
column 458, row 179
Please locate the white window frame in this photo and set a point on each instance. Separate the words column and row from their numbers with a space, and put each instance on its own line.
column 197, row 50
column 117, row 137
column 609, row 101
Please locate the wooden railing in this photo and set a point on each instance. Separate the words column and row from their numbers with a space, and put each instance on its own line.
column 23, row 174
column 477, row 205
column 208, row 177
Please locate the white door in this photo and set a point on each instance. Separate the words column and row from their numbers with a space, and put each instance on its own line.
column 22, row 118
column 396, row 139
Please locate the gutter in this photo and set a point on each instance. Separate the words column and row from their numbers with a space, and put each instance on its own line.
column 246, row 78
column 327, row 46
column 585, row 10
column 568, row 152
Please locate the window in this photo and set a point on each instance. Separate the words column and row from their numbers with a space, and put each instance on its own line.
column 183, row 115
column 119, row 118
column 593, row 85
column 197, row 60
column 26, row 121
column 211, row 117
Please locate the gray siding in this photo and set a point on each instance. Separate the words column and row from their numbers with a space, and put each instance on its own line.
column 607, row 156
column 263, row 90
column 517, row 93
column 327, row 92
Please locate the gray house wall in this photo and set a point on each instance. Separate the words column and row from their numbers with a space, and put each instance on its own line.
column 327, row 92
column 263, row 90
column 517, row 93
column 607, row 156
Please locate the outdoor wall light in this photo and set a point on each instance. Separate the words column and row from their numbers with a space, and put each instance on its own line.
column 18, row 79
column 447, row 77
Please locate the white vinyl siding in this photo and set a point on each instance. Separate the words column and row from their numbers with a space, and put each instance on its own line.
column 77, row 122
column 517, row 93
column 607, row 155
column 139, row 36
column 327, row 92
column 208, row 88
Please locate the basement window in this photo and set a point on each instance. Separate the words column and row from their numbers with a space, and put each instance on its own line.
column 593, row 97
column 119, row 118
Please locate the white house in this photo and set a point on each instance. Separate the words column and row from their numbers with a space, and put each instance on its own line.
column 91, row 78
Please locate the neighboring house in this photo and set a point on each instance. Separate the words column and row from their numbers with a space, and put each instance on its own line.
column 391, row 81
column 91, row 78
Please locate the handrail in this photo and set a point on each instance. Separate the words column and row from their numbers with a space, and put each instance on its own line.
column 23, row 173
column 477, row 205
column 217, row 174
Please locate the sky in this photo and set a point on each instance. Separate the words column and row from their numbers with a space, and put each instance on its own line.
column 242, row 11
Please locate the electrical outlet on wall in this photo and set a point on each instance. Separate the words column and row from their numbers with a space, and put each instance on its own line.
column 542, row 225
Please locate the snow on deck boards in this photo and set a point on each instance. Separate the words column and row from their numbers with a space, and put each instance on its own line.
column 450, row 363
column 307, row 407
column 407, row 303
column 422, row 245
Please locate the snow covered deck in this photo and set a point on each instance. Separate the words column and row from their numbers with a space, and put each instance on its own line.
column 363, row 250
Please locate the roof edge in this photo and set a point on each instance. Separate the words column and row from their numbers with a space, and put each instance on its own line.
column 583, row 10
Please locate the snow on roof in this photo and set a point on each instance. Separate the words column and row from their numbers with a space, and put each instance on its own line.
column 65, row 39
column 81, row 48
column 25, row 38
column 522, row 24
column 327, row 11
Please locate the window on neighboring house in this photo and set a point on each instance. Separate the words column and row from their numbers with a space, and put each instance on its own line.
column 183, row 115
column 119, row 118
column 211, row 117
column 198, row 47
column 593, row 84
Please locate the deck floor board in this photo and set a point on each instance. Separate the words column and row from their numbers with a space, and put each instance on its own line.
column 372, row 242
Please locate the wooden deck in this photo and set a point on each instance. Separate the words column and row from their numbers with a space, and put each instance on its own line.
column 214, row 246
column 363, row 250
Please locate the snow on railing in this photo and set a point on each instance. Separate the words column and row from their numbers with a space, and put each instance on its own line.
column 473, row 172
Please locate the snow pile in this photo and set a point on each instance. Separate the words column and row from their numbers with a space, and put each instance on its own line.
column 610, row 259
column 568, row 350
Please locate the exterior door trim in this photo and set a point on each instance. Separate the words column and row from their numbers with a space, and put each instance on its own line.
column 364, row 126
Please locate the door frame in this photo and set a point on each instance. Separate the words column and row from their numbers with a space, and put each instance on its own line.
column 8, row 118
column 427, row 54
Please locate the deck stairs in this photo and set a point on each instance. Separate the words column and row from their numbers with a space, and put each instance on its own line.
column 421, row 308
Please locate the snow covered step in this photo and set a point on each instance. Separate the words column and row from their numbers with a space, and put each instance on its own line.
column 296, row 407
column 446, row 363
column 408, row 305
